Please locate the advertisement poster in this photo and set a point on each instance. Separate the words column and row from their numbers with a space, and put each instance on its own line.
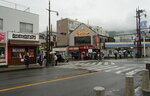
column 2, row 56
column 2, row 48
column 2, row 37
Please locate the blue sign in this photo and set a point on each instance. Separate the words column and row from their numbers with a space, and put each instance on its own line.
column 113, row 46
column 142, row 32
column 143, row 24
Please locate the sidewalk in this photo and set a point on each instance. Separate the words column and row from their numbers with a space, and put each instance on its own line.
column 19, row 67
column 23, row 67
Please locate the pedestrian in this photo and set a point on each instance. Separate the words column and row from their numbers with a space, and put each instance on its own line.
column 55, row 58
column 27, row 60
column 124, row 53
column 120, row 54
column 115, row 53
column 98, row 56
column 44, row 60
column 102, row 55
column 40, row 60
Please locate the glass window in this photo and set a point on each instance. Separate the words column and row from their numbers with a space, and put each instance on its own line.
column 83, row 40
column 26, row 27
column 1, row 24
column 2, row 55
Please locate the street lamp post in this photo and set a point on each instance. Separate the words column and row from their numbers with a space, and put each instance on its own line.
column 49, row 34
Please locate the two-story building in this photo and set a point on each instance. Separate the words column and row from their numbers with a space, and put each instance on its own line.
column 22, row 29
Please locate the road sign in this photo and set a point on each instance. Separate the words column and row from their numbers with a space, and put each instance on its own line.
column 143, row 24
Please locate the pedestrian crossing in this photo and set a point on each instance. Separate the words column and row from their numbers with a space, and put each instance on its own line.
column 105, row 66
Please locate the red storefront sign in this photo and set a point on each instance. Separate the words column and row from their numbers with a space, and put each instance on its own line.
column 2, row 37
column 86, row 47
column 73, row 48
column 97, row 39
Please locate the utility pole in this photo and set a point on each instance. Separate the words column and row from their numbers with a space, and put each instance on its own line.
column 138, row 21
column 49, row 35
column 47, row 47
column 48, row 40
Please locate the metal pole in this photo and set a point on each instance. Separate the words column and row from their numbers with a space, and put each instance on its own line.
column 140, row 47
column 6, row 49
column 144, row 46
column 49, row 33
column 47, row 48
column 137, row 40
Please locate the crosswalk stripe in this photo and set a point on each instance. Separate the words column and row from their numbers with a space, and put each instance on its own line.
column 105, row 63
column 118, row 72
column 98, row 66
column 115, row 69
column 100, row 63
column 133, row 72
column 112, row 63
column 106, row 68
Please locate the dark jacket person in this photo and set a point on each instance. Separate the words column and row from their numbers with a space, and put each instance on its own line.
column 27, row 60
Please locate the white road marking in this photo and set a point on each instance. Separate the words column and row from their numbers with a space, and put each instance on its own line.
column 118, row 72
column 106, row 68
column 115, row 69
column 105, row 63
column 112, row 63
column 134, row 72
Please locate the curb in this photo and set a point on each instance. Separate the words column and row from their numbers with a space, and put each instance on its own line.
column 12, row 70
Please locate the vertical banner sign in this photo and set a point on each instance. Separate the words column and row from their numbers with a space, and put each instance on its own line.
column 97, row 42
column 2, row 37
column 3, row 49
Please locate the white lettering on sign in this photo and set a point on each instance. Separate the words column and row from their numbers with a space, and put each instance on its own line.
column 23, row 36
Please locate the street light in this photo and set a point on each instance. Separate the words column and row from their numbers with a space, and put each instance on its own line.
column 49, row 34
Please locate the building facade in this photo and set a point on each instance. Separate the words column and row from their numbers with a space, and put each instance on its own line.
column 22, row 29
column 66, row 35
column 127, row 41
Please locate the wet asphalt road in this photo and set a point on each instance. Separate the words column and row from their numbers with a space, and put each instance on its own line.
column 76, row 86
column 81, row 85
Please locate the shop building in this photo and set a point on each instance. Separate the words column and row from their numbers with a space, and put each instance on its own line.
column 22, row 29
column 85, row 43
column 127, row 41
column 66, row 29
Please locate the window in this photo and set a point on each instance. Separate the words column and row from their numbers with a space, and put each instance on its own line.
column 26, row 27
column 2, row 55
column 1, row 24
column 83, row 40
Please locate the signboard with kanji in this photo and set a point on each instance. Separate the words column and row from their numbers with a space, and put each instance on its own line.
column 2, row 37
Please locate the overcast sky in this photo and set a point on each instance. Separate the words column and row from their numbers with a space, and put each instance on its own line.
column 109, row 14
